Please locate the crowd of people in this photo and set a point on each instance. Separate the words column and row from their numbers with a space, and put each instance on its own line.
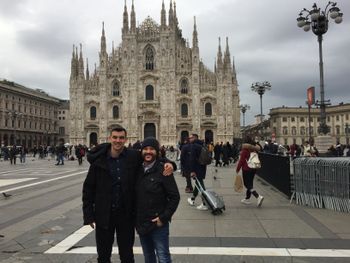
column 59, row 152
column 307, row 149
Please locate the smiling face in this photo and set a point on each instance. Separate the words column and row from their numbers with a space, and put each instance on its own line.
column 149, row 154
column 117, row 139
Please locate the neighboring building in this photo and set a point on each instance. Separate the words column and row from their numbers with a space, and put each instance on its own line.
column 153, row 84
column 291, row 124
column 63, row 121
column 27, row 117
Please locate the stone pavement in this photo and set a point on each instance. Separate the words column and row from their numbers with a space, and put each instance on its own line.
column 279, row 231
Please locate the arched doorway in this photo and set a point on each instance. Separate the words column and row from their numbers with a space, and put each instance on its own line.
column 149, row 130
column 184, row 136
column 93, row 138
column 209, row 137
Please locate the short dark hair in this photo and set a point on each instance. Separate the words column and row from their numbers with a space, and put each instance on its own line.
column 119, row 128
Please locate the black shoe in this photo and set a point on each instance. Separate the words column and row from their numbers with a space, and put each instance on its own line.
column 57, row 164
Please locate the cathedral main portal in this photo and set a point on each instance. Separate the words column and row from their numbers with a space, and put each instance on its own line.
column 150, row 130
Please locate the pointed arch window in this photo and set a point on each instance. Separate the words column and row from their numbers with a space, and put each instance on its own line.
column 116, row 90
column 149, row 58
column 208, row 109
column 184, row 110
column 149, row 92
column 93, row 113
column 184, row 86
column 115, row 112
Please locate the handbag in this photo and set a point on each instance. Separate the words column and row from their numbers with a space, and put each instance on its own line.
column 238, row 183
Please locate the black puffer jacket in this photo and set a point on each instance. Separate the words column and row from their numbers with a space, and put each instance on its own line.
column 157, row 196
column 97, row 188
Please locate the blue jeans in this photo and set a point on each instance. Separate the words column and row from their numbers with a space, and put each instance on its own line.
column 156, row 243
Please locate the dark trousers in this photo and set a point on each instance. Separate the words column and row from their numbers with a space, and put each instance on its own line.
column 124, row 227
column 187, row 175
column 248, row 178
column 196, row 191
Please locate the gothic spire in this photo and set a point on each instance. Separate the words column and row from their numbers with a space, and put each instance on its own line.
column 219, row 55
column 163, row 17
column 233, row 67
column 87, row 69
column 125, row 29
column 195, row 34
column 227, row 59
column 103, row 40
column 81, row 62
column 171, row 15
column 73, row 64
column 76, row 62
column 176, row 22
column 132, row 19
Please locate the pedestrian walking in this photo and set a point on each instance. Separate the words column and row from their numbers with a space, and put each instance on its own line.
column 109, row 195
column 196, row 170
column 157, row 200
column 185, row 158
column 60, row 151
column 22, row 154
column 217, row 154
column 248, row 173
column 13, row 154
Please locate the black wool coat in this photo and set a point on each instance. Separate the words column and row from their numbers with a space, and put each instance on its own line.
column 97, row 187
column 157, row 196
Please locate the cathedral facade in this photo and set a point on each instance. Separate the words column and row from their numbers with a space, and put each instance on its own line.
column 153, row 84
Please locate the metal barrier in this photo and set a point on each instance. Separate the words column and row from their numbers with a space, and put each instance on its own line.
column 322, row 182
column 275, row 169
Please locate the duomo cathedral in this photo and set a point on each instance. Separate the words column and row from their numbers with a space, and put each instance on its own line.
column 153, row 84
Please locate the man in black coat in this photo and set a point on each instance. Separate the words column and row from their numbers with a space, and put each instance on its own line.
column 157, row 200
column 196, row 170
column 109, row 195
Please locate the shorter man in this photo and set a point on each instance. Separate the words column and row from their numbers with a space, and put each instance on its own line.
column 156, row 202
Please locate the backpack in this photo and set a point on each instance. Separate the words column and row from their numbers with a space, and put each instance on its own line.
column 253, row 161
column 204, row 156
column 82, row 152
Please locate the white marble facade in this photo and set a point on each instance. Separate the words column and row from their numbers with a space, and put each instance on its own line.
column 155, row 84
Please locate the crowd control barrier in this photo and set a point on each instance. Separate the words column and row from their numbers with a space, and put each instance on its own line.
column 322, row 182
column 275, row 169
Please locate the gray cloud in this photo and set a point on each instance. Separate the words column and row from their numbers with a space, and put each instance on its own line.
column 263, row 38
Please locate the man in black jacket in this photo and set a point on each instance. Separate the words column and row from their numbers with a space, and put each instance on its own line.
column 156, row 202
column 109, row 195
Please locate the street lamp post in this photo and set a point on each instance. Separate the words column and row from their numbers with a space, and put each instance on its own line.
column 319, row 25
column 244, row 108
column 347, row 133
column 260, row 88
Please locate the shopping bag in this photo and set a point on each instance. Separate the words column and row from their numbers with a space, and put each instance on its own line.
column 238, row 183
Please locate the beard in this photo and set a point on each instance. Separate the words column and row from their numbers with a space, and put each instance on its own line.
column 153, row 156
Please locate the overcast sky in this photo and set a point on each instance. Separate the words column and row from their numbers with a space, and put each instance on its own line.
column 37, row 38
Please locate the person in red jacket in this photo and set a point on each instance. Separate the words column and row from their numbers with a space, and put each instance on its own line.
column 248, row 174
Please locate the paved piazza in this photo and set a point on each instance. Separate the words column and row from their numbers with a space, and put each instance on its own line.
column 42, row 222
